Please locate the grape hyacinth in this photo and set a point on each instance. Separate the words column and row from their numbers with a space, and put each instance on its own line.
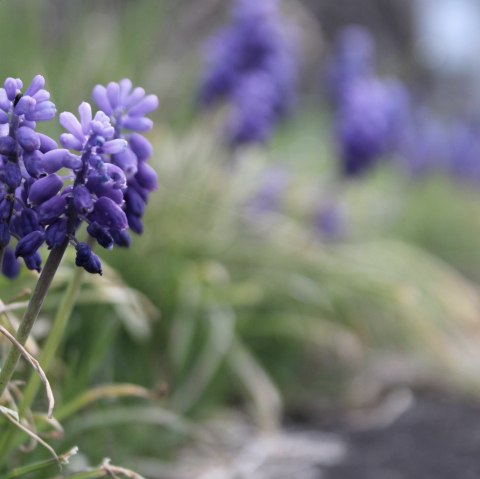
column 21, row 154
column 250, row 66
column 371, row 113
column 99, row 176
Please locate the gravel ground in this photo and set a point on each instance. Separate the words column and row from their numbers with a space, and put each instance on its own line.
column 434, row 438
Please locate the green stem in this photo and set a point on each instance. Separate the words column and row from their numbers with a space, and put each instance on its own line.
column 54, row 338
column 46, row 356
column 31, row 313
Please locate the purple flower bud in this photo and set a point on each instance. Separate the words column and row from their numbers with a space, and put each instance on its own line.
column 117, row 175
column 28, row 139
column 37, row 84
column 25, row 105
column 29, row 244
column 112, row 147
column 10, row 266
column 27, row 222
column 45, row 111
column 137, row 123
column 102, row 236
column 33, row 262
column 101, row 187
column 109, row 215
column 4, row 209
column 53, row 160
column 11, row 89
column 145, row 106
column 4, row 234
column 56, row 233
column 140, row 146
column 135, row 223
column 146, row 176
column 100, row 97
column 13, row 175
column 34, row 163
column 70, row 141
column 135, row 203
column 127, row 161
column 70, row 123
column 137, row 94
column 44, row 188
column 82, row 200
column 4, row 101
column 41, row 96
column 3, row 118
column 87, row 259
column 73, row 162
column 121, row 238
column 46, row 143
column 52, row 209
column 7, row 146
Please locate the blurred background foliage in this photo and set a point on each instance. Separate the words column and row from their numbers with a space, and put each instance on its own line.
column 226, row 303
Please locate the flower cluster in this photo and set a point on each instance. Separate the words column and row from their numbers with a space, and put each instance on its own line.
column 249, row 65
column 370, row 112
column 97, row 177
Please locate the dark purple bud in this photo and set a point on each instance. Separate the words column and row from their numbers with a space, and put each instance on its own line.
column 87, row 259
column 56, row 233
column 44, row 188
column 146, row 176
column 140, row 146
column 102, row 236
column 46, row 143
column 7, row 146
column 101, row 187
column 29, row 244
column 4, row 208
column 82, row 199
column 33, row 262
column 127, row 161
column 52, row 209
column 27, row 221
column 34, row 163
column 109, row 215
column 13, row 175
column 135, row 203
column 117, row 175
column 10, row 266
column 4, row 234
column 135, row 223
column 28, row 139
column 121, row 238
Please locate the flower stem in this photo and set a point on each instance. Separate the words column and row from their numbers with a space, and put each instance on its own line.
column 31, row 313
column 2, row 254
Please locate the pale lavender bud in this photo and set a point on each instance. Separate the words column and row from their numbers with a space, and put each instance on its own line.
column 26, row 104
column 10, row 86
column 4, row 101
column 112, row 147
column 71, row 142
column 137, row 123
column 100, row 97
column 70, row 123
column 127, row 161
column 37, row 84
column 145, row 106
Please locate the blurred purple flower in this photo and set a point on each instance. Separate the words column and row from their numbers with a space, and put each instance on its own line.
column 247, row 63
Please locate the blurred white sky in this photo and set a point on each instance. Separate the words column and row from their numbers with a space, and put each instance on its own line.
column 448, row 35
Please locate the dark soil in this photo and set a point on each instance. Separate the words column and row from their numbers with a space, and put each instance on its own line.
column 436, row 438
